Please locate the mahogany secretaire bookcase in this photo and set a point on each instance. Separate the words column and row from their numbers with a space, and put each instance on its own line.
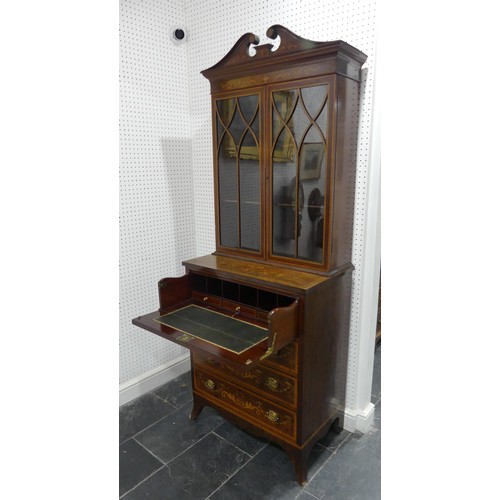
column 266, row 316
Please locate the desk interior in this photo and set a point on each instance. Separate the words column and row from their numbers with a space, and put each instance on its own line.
column 224, row 331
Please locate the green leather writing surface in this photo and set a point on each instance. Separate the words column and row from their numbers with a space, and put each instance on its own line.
column 229, row 333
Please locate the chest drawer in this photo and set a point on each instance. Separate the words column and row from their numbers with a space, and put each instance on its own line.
column 273, row 385
column 239, row 401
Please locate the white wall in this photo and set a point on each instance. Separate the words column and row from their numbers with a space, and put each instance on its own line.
column 169, row 101
column 156, row 191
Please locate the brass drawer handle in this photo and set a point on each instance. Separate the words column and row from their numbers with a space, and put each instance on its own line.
column 209, row 384
column 272, row 416
column 272, row 383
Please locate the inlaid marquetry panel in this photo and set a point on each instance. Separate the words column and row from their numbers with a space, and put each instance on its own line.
column 271, row 384
column 255, row 271
column 241, row 402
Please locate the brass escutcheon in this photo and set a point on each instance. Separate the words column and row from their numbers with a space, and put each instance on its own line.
column 272, row 383
column 210, row 384
column 272, row 416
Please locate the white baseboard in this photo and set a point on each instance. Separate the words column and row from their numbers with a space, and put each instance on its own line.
column 154, row 378
column 360, row 420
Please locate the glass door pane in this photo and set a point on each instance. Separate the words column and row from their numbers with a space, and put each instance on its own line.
column 249, row 167
column 238, row 154
column 299, row 126
column 228, row 175
column 284, row 174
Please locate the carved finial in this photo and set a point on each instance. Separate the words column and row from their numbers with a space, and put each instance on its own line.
column 289, row 40
column 240, row 51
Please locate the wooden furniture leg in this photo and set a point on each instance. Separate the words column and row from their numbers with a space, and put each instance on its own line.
column 197, row 407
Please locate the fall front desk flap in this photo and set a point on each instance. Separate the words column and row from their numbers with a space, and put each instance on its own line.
column 232, row 334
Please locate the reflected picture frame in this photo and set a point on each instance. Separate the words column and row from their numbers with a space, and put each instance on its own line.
column 311, row 158
column 285, row 147
column 227, row 110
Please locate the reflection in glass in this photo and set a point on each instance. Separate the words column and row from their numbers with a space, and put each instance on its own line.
column 284, row 103
column 314, row 99
column 238, row 139
column 250, row 196
column 249, row 107
column 299, row 124
column 228, row 198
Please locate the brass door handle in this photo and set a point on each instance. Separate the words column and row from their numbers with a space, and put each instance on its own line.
column 272, row 416
column 209, row 384
column 272, row 383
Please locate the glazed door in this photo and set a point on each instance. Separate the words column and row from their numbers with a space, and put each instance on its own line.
column 239, row 183
column 299, row 155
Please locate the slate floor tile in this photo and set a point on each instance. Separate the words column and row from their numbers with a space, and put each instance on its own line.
column 269, row 475
column 304, row 495
column 353, row 472
column 177, row 392
column 377, row 422
column 177, row 432
column 136, row 464
column 377, row 379
column 140, row 413
column 194, row 474
column 240, row 438
column 333, row 440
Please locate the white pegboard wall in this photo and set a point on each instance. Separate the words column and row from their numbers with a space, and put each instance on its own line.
column 156, row 191
column 214, row 27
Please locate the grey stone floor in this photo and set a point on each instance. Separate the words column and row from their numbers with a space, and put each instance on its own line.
column 164, row 455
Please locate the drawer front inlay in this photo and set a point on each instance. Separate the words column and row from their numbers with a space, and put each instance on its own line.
column 274, row 417
column 274, row 385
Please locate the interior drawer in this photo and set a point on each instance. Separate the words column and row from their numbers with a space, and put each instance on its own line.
column 239, row 308
column 273, row 385
column 239, row 401
column 207, row 299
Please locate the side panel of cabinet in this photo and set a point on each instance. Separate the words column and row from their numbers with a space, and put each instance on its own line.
column 324, row 353
column 344, row 182
column 238, row 138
